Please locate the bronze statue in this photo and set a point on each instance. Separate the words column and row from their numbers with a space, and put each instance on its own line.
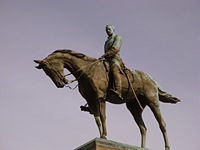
column 112, row 48
column 138, row 90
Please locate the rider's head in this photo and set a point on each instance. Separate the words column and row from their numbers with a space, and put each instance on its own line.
column 110, row 29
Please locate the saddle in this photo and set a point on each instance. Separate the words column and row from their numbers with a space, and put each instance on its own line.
column 123, row 69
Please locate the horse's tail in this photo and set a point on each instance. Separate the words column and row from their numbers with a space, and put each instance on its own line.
column 167, row 98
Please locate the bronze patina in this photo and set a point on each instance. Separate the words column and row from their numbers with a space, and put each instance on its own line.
column 93, row 83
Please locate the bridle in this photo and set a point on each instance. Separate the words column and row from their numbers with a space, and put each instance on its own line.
column 79, row 76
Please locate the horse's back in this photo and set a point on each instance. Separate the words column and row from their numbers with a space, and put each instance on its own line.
column 141, row 75
column 140, row 82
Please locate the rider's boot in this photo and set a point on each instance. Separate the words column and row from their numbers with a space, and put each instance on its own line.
column 117, row 83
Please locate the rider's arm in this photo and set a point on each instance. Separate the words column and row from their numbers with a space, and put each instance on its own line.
column 112, row 52
column 114, row 49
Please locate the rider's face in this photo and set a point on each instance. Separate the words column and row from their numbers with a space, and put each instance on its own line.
column 109, row 30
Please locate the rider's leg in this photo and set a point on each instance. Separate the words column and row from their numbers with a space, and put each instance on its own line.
column 117, row 79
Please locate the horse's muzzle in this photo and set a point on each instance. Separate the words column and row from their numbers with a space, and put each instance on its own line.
column 60, row 84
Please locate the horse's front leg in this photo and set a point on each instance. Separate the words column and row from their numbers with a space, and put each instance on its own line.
column 99, row 124
column 95, row 107
column 103, row 117
column 100, row 117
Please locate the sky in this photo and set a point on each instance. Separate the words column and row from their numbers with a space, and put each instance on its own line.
column 159, row 37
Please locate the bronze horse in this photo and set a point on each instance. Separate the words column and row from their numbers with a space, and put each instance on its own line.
column 93, row 83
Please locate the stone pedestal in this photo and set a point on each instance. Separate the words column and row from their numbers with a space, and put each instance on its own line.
column 102, row 144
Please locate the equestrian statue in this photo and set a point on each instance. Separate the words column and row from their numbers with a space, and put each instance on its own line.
column 108, row 80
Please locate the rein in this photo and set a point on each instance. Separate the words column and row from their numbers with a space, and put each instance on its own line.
column 86, row 66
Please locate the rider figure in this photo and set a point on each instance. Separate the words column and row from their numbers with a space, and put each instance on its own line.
column 111, row 54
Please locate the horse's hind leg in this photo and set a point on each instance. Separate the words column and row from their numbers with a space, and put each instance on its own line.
column 154, row 105
column 137, row 114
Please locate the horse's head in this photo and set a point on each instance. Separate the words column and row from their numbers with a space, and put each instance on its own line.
column 54, row 69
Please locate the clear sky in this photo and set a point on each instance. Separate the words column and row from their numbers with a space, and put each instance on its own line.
column 160, row 37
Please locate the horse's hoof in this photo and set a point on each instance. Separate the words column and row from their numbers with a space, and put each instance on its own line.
column 167, row 148
column 103, row 137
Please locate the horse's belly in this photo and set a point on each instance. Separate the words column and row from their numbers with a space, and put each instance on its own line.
column 115, row 101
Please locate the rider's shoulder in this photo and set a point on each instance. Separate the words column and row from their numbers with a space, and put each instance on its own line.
column 118, row 37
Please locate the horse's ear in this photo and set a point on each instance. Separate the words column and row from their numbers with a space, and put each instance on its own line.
column 38, row 62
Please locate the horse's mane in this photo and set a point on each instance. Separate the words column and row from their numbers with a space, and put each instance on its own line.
column 76, row 54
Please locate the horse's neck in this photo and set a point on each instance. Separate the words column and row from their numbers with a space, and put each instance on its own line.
column 77, row 66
